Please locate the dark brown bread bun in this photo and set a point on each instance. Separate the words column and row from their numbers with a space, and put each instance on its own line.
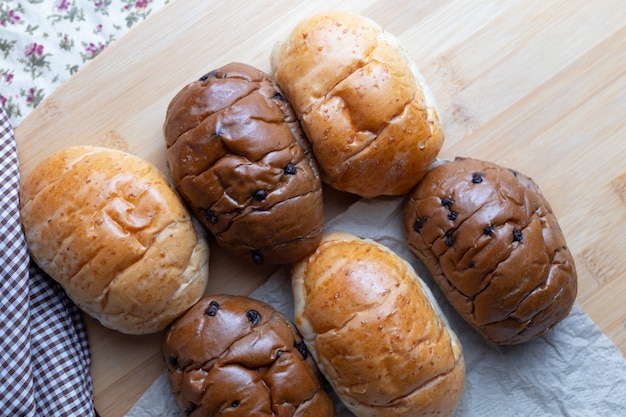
column 239, row 159
column 375, row 330
column 362, row 101
column 492, row 243
column 237, row 356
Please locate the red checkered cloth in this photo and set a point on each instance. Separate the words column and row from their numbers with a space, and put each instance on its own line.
column 44, row 354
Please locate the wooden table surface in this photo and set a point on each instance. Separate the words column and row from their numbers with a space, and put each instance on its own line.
column 538, row 86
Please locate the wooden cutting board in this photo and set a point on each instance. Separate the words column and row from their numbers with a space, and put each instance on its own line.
column 538, row 86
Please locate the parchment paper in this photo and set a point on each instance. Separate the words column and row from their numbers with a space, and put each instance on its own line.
column 573, row 370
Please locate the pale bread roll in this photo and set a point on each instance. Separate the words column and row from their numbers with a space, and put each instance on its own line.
column 363, row 104
column 110, row 229
column 375, row 330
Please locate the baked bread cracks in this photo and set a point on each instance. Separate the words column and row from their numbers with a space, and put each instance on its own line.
column 238, row 356
column 362, row 103
column 375, row 330
column 110, row 229
column 239, row 159
column 492, row 243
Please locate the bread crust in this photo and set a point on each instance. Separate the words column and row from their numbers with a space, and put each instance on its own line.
column 239, row 158
column 110, row 229
column 239, row 356
column 363, row 104
column 492, row 243
column 375, row 330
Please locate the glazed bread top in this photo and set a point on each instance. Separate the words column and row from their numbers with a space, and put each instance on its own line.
column 494, row 246
column 376, row 331
column 238, row 356
column 362, row 102
column 111, row 230
column 238, row 156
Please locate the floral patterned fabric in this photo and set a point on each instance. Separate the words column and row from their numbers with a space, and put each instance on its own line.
column 44, row 365
column 44, row 42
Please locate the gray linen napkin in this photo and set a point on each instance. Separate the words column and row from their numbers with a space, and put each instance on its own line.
column 44, row 354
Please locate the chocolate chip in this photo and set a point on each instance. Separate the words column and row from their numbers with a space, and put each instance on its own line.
column 174, row 361
column 419, row 223
column 449, row 239
column 235, row 404
column 212, row 309
column 517, row 235
column 190, row 409
column 209, row 215
column 212, row 74
column 259, row 195
column 257, row 257
column 488, row 230
column 477, row 177
column 447, row 202
column 253, row 316
column 514, row 172
column 279, row 96
column 301, row 347
column 290, row 169
column 471, row 264
column 452, row 215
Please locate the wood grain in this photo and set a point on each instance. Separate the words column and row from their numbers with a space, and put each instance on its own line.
column 538, row 86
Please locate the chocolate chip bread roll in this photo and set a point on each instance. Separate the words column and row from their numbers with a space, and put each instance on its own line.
column 239, row 159
column 375, row 330
column 494, row 246
column 362, row 102
column 237, row 356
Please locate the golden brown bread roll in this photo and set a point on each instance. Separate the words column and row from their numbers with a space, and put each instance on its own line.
column 112, row 231
column 494, row 246
column 237, row 356
column 362, row 102
column 375, row 330
column 238, row 157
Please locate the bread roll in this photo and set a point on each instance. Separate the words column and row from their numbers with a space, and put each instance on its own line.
column 238, row 157
column 110, row 229
column 375, row 330
column 494, row 246
column 362, row 102
column 237, row 356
